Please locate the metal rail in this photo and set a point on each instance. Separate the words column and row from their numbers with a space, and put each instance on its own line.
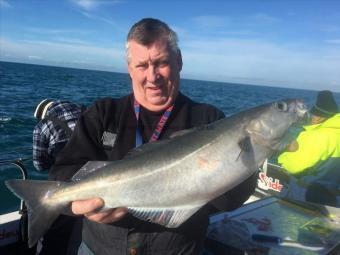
column 23, row 208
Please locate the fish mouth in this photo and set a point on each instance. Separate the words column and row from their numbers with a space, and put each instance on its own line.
column 303, row 120
column 302, row 113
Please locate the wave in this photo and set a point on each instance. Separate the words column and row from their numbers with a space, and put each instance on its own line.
column 5, row 119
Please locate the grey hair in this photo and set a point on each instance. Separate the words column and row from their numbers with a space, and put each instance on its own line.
column 148, row 31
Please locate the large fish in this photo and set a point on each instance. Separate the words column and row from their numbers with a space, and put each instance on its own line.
column 168, row 181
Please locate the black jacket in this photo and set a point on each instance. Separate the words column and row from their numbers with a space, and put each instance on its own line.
column 115, row 118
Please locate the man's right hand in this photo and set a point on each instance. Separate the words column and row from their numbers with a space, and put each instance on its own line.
column 292, row 147
column 90, row 209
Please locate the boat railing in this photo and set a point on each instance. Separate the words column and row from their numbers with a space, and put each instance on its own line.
column 19, row 164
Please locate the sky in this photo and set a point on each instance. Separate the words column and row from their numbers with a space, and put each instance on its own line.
column 284, row 43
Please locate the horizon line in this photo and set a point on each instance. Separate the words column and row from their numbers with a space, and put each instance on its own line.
column 182, row 78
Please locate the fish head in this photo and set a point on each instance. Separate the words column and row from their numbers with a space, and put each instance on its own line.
column 271, row 122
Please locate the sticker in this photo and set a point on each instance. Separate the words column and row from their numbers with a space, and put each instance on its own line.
column 268, row 183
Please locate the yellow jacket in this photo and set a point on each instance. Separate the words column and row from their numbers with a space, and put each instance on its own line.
column 317, row 143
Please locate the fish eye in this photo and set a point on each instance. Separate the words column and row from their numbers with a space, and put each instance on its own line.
column 281, row 106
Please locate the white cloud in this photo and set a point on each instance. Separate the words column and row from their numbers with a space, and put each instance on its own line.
column 232, row 22
column 224, row 26
column 331, row 29
column 86, row 4
column 57, row 53
column 70, row 36
column 68, row 40
column 58, row 32
column 4, row 4
column 100, row 18
column 261, row 62
column 333, row 41
column 34, row 57
column 264, row 18
column 229, row 60
column 90, row 5
column 210, row 21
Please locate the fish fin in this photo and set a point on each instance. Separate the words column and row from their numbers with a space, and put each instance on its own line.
column 171, row 218
column 88, row 168
column 41, row 214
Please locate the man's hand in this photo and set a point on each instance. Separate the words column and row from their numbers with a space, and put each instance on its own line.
column 293, row 146
column 89, row 208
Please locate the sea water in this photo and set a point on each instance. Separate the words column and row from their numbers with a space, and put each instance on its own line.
column 23, row 86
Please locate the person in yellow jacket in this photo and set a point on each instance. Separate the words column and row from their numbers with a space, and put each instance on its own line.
column 314, row 158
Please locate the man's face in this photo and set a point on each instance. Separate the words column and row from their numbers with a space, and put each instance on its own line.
column 154, row 71
column 317, row 119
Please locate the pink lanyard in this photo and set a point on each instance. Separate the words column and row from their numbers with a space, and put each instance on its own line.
column 159, row 127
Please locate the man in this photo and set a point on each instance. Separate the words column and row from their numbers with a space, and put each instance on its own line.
column 57, row 120
column 314, row 158
column 113, row 127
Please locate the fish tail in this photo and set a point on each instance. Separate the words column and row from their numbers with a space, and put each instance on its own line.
column 42, row 212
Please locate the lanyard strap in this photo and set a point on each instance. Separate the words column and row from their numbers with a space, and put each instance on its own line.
column 159, row 127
